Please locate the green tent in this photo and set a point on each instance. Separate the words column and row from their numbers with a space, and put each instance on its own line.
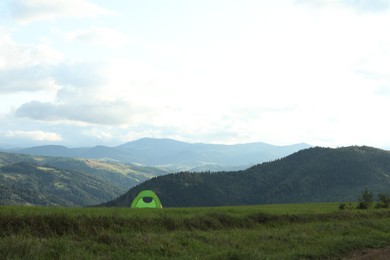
column 146, row 199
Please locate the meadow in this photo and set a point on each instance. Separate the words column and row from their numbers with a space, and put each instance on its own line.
column 291, row 231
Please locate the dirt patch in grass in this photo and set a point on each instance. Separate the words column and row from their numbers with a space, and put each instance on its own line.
column 371, row 254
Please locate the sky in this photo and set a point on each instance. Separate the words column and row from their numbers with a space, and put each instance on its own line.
column 96, row 72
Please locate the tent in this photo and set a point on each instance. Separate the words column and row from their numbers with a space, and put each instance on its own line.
column 146, row 199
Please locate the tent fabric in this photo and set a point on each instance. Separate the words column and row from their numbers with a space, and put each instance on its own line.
column 146, row 199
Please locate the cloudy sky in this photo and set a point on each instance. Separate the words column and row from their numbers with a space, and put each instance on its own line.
column 97, row 72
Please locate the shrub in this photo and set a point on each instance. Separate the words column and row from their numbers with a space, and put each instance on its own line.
column 345, row 205
column 365, row 199
column 384, row 201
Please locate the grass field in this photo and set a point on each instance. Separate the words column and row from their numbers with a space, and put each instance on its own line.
column 293, row 231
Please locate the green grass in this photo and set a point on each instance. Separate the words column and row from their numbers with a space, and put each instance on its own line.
column 292, row 231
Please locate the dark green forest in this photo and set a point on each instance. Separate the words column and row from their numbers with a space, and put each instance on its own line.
column 311, row 175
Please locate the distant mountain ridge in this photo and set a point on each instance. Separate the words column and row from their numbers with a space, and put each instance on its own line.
column 176, row 155
column 310, row 175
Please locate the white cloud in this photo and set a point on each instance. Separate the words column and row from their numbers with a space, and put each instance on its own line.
column 99, row 134
column 32, row 68
column 81, row 74
column 34, row 135
column 98, row 35
column 27, row 11
column 16, row 55
column 29, row 82
column 26, row 67
column 95, row 112
column 359, row 5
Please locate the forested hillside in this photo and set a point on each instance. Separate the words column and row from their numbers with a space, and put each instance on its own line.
column 311, row 175
column 32, row 180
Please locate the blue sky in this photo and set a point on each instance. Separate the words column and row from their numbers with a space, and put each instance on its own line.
column 82, row 73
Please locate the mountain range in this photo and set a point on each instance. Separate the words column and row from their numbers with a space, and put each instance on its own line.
column 175, row 155
column 61, row 181
column 310, row 175
column 117, row 174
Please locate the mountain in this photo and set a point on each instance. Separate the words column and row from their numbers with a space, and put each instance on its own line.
column 310, row 175
column 97, row 152
column 168, row 152
column 49, row 150
column 61, row 181
column 175, row 155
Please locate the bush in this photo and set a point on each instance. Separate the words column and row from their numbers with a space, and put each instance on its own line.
column 345, row 205
column 384, row 201
column 365, row 199
column 342, row 205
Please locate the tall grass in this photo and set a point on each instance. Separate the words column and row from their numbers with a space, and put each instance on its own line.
column 258, row 232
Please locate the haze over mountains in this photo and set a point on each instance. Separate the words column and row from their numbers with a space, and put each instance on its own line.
column 175, row 155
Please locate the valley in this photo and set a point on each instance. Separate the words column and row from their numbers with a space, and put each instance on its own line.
column 69, row 182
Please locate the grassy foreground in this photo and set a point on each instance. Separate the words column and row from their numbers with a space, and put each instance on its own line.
column 296, row 231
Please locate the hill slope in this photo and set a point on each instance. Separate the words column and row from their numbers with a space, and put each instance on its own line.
column 175, row 155
column 31, row 180
column 311, row 175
